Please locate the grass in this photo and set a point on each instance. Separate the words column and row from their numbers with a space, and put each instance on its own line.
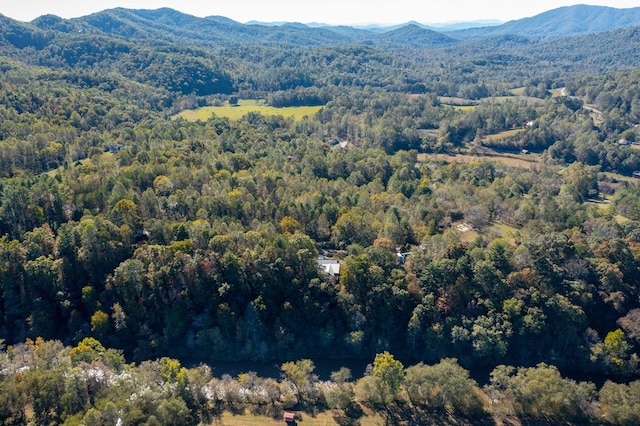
column 455, row 101
column 321, row 419
column 464, row 107
column 244, row 107
column 502, row 230
column 494, row 230
column 464, row 104
column 105, row 157
column 499, row 99
column 502, row 135
column 511, row 160
column 621, row 219
column 557, row 92
column 468, row 236
column 519, row 91
column 619, row 177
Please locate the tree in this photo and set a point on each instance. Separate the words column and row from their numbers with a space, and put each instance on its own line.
column 89, row 349
column 300, row 374
column 542, row 391
column 490, row 336
column 45, row 389
column 616, row 354
column 583, row 180
column 621, row 402
column 289, row 225
column 100, row 323
column 163, row 185
column 388, row 374
column 353, row 227
column 443, row 386
column 12, row 402
column 341, row 396
column 125, row 212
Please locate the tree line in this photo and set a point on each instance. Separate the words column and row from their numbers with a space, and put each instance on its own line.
column 47, row 382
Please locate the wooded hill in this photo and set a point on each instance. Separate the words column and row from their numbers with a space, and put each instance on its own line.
column 478, row 195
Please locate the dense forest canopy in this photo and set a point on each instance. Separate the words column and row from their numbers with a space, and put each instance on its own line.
column 479, row 196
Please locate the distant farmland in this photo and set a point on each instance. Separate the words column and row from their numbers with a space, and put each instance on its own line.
column 512, row 160
column 245, row 107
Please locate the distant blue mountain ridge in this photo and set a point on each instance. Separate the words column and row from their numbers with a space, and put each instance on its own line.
column 171, row 26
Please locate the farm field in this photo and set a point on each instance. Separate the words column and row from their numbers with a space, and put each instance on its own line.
column 463, row 104
column 620, row 177
column 502, row 135
column 512, row 160
column 495, row 230
column 519, row 91
column 455, row 101
column 245, row 107
column 558, row 92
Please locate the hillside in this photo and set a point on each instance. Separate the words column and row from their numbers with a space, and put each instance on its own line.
column 205, row 56
column 182, row 193
column 562, row 22
column 167, row 25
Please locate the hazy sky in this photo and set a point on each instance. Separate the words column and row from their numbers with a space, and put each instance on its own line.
column 324, row 11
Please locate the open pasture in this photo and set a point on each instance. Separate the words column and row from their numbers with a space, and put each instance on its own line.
column 502, row 135
column 244, row 107
column 512, row 160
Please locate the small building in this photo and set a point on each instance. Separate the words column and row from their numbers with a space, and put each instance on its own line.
column 624, row 142
column 335, row 143
column 289, row 417
column 330, row 266
column 116, row 147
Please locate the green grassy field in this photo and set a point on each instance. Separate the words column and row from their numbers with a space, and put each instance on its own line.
column 619, row 177
column 519, row 91
column 557, row 92
column 464, row 107
column 512, row 160
column 243, row 108
column 451, row 100
column 502, row 135
column 518, row 97
column 463, row 104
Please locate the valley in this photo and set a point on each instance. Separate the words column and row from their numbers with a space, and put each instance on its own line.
column 180, row 196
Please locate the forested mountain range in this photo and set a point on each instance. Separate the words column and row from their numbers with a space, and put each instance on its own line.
column 186, row 54
column 562, row 22
column 170, row 25
column 480, row 195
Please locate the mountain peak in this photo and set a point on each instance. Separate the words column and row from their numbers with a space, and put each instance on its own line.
column 564, row 21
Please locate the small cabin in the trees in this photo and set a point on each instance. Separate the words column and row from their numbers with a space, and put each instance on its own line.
column 330, row 266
